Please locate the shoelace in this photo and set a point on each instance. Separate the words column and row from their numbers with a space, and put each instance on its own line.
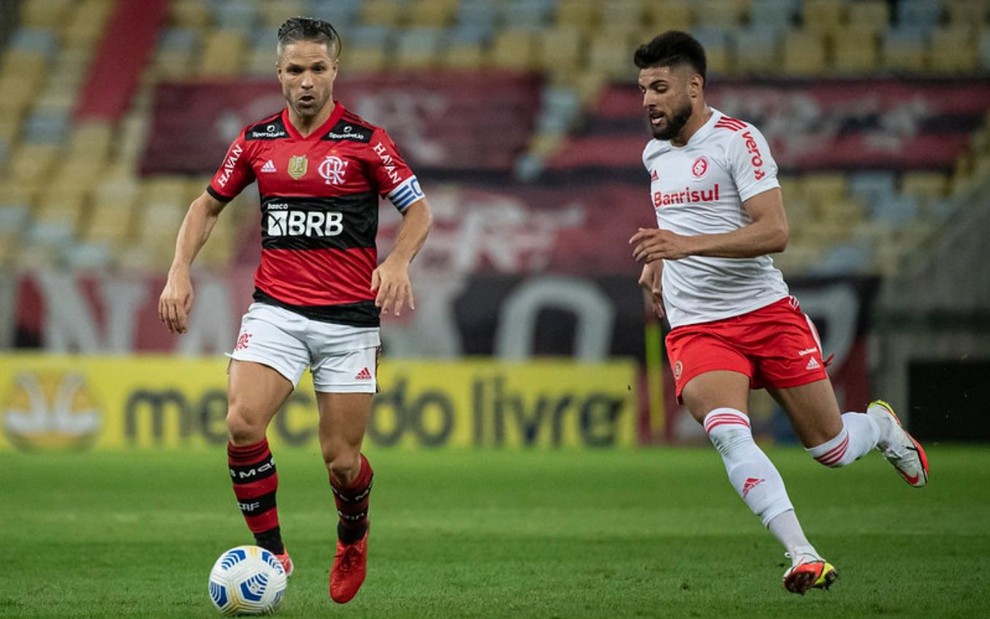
column 350, row 557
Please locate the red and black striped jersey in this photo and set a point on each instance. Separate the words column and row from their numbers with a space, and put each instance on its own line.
column 319, row 210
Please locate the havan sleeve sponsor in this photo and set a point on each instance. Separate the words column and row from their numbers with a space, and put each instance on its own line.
column 235, row 172
column 395, row 180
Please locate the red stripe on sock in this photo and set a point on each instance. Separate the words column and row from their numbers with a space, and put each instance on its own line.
column 834, row 455
column 724, row 419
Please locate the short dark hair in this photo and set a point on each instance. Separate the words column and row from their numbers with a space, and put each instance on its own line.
column 309, row 29
column 670, row 49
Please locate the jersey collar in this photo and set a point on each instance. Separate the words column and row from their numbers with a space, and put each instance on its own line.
column 335, row 115
column 706, row 128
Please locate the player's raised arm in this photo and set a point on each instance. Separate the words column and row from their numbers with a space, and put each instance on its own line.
column 391, row 278
column 176, row 299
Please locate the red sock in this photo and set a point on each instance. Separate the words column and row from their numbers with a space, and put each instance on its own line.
column 252, row 472
column 352, row 503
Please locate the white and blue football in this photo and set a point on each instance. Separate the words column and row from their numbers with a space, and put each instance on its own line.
column 247, row 580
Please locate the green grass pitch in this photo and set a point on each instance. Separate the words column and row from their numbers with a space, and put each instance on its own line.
column 543, row 534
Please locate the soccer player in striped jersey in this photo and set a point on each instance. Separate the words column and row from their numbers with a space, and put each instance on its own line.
column 734, row 324
column 319, row 289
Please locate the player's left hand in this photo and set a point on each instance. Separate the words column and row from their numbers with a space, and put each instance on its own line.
column 391, row 281
column 651, row 244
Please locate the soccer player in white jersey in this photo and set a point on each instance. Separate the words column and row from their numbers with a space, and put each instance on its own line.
column 734, row 325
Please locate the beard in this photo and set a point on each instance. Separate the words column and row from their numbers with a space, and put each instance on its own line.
column 675, row 122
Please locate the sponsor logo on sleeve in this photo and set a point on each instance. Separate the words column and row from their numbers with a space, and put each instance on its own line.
column 229, row 163
column 756, row 159
column 388, row 162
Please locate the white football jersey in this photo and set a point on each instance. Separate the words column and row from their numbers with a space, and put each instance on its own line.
column 700, row 188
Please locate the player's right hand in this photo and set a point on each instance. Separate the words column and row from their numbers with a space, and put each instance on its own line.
column 175, row 302
column 651, row 281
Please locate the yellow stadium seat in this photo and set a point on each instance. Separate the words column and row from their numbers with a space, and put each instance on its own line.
column 967, row 12
column 32, row 163
column 110, row 223
column 924, row 185
column 363, row 59
column 164, row 189
column 854, row 52
column 629, row 13
column 432, row 13
column 65, row 208
column 466, row 56
column 91, row 139
column 827, row 16
column 10, row 125
column 382, row 12
column 174, row 64
column 20, row 64
column 721, row 13
column 190, row 14
column 952, row 49
column 582, row 14
column 798, row 258
column 873, row 15
column 79, row 169
column 804, row 53
column 274, row 14
column 224, row 54
column 86, row 23
column 561, row 48
column 821, row 189
column 515, row 48
column 669, row 15
column 44, row 13
column 841, row 211
column 611, row 57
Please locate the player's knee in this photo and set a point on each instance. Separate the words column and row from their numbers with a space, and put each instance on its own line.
column 243, row 428
column 343, row 466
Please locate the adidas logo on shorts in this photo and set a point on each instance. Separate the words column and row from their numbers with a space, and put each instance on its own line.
column 364, row 374
column 812, row 364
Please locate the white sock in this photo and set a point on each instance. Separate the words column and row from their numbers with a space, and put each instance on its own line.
column 788, row 532
column 859, row 435
column 751, row 473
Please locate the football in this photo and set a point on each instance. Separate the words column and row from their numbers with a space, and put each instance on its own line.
column 247, row 580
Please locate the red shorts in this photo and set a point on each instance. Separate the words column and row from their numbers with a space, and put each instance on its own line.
column 775, row 346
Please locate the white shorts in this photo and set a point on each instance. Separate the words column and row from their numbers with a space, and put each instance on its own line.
column 341, row 358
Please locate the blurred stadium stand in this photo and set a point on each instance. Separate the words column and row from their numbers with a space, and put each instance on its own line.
column 524, row 122
column 74, row 195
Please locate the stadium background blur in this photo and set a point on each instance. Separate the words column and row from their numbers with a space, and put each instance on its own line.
column 522, row 119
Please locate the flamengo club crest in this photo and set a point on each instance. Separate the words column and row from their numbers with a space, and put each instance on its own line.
column 332, row 169
column 297, row 166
